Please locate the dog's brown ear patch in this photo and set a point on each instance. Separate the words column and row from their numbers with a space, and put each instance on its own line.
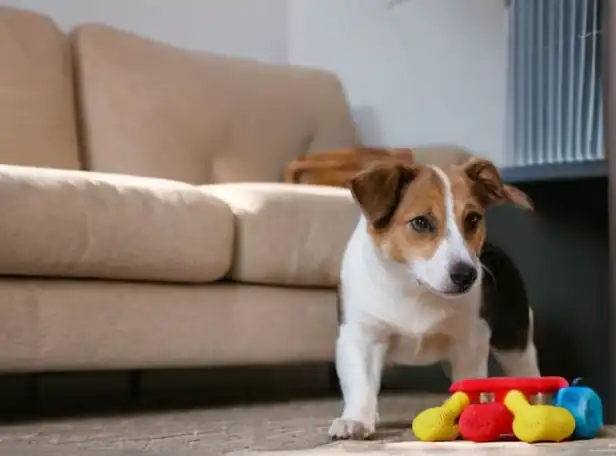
column 489, row 188
column 379, row 189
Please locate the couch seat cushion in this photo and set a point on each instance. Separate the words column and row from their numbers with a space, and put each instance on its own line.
column 288, row 234
column 82, row 224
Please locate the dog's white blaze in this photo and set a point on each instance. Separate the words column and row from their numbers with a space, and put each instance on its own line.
column 452, row 248
column 453, row 242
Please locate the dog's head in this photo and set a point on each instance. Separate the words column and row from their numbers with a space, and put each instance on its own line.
column 432, row 219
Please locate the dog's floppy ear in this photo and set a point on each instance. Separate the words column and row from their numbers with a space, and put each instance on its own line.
column 379, row 189
column 488, row 186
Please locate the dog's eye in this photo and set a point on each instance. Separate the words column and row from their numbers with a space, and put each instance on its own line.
column 471, row 222
column 422, row 224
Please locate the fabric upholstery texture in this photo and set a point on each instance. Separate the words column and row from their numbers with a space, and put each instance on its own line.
column 55, row 325
column 441, row 155
column 151, row 109
column 288, row 234
column 37, row 107
column 83, row 224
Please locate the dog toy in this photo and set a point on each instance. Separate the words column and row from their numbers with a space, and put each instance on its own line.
column 538, row 423
column 488, row 418
column 489, row 409
column 586, row 407
column 485, row 422
column 439, row 423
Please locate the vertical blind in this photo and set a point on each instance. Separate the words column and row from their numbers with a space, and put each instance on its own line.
column 555, row 81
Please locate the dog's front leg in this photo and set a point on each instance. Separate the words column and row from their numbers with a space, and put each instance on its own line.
column 359, row 362
column 469, row 353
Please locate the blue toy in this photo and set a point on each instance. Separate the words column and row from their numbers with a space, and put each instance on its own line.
column 585, row 406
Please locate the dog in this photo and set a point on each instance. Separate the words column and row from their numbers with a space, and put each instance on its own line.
column 335, row 167
column 413, row 289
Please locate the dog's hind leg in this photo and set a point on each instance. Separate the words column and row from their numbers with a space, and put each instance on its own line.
column 519, row 360
column 519, row 363
column 508, row 313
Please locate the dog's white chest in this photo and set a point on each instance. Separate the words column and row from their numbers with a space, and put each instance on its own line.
column 418, row 351
column 402, row 312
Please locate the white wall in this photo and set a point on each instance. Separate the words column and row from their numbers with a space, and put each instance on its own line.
column 245, row 28
column 422, row 72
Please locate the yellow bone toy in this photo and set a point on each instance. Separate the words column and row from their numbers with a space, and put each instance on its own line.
column 538, row 423
column 438, row 424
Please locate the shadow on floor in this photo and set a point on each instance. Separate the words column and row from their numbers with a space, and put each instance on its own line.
column 56, row 396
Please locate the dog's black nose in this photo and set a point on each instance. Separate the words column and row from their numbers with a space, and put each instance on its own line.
column 463, row 275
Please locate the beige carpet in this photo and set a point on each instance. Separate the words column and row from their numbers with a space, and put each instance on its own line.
column 296, row 426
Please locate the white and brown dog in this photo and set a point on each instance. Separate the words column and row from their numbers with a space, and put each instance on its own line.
column 412, row 285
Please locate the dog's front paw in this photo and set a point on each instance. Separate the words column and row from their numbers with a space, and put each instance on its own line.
column 342, row 428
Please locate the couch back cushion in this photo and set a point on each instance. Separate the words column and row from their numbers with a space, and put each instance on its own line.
column 151, row 109
column 37, row 106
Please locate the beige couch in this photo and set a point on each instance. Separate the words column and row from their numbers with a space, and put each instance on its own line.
column 131, row 235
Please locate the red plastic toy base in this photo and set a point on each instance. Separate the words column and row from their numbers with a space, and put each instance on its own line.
column 500, row 386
